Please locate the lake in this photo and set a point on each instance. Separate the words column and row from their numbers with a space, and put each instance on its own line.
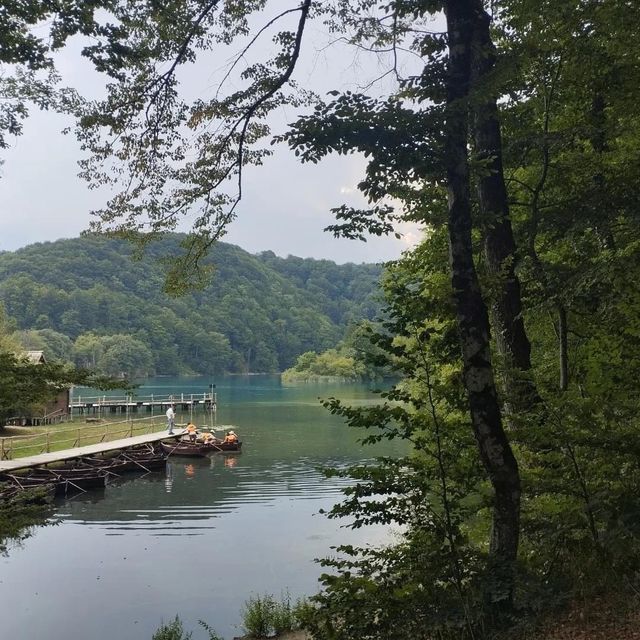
column 201, row 538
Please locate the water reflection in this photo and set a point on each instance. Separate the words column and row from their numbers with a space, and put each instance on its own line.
column 168, row 479
column 193, row 493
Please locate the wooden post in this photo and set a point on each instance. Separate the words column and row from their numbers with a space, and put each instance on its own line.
column 48, row 442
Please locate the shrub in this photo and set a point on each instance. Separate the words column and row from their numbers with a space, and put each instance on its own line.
column 264, row 616
column 257, row 616
column 171, row 631
column 175, row 631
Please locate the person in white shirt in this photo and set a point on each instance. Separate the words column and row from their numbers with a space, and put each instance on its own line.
column 171, row 420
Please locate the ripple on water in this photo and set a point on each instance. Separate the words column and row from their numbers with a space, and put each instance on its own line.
column 211, row 496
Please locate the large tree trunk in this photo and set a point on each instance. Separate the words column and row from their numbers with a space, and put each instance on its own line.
column 499, row 244
column 472, row 316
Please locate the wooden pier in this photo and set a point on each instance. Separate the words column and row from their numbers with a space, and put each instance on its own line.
column 154, row 404
column 42, row 459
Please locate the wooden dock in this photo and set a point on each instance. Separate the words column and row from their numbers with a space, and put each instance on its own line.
column 42, row 459
column 99, row 405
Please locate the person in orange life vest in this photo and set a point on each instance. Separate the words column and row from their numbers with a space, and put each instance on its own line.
column 192, row 430
column 231, row 437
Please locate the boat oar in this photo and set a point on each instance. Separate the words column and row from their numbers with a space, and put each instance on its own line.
column 177, row 445
column 124, row 455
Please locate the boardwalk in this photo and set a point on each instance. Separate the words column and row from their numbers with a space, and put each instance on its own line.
column 69, row 454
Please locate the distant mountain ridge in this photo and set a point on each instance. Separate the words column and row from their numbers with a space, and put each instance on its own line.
column 87, row 300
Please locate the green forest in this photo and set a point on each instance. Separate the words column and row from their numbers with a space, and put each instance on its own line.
column 89, row 301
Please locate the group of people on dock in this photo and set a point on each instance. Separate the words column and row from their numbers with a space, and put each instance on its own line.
column 192, row 431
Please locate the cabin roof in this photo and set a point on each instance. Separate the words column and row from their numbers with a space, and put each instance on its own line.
column 36, row 357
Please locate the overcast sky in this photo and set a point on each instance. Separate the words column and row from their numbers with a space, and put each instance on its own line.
column 285, row 204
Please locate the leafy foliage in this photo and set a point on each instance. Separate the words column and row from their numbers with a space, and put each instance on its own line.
column 578, row 457
column 25, row 385
column 174, row 630
column 265, row 616
column 90, row 302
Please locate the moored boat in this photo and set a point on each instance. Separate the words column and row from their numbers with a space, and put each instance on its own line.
column 224, row 447
column 64, row 484
column 134, row 460
column 186, row 449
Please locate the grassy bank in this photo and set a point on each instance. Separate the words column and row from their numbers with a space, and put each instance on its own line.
column 18, row 442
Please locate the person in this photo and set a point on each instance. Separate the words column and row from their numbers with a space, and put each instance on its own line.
column 231, row 437
column 192, row 430
column 208, row 438
column 171, row 419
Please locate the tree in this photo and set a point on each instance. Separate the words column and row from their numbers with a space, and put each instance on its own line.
column 125, row 356
column 28, row 76
column 25, row 384
column 144, row 114
column 55, row 345
column 473, row 322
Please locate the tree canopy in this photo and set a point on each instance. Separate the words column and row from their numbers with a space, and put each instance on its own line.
column 90, row 302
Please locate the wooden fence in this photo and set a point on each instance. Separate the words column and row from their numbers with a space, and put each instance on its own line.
column 67, row 438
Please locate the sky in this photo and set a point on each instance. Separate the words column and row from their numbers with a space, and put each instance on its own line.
column 285, row 206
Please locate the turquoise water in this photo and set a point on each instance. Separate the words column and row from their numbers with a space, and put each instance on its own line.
column 202, row 537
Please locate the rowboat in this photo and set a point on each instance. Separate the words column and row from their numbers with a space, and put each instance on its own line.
column 220, row 445
column 134, row 460
column 64, row 485
column 143, row 463
column 186, row 449
column 212, row 446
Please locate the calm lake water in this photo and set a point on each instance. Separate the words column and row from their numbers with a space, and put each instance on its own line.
column 200, row 538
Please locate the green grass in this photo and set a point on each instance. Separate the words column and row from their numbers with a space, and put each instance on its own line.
column 19, row 442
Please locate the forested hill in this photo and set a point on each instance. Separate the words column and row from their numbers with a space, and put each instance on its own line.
column 88, row 301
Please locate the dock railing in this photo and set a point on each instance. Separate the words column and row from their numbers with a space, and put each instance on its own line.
column 149, row 402
column 75, row 436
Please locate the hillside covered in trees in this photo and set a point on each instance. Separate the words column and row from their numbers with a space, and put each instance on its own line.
column 89, row 301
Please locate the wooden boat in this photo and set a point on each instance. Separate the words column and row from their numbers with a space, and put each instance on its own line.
column 217, row 445
column 212, row 446
column 224, row 447
column 64, row 485
column 142, row 463
column 129, row 462
column 82, row 466
column 186, row 449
